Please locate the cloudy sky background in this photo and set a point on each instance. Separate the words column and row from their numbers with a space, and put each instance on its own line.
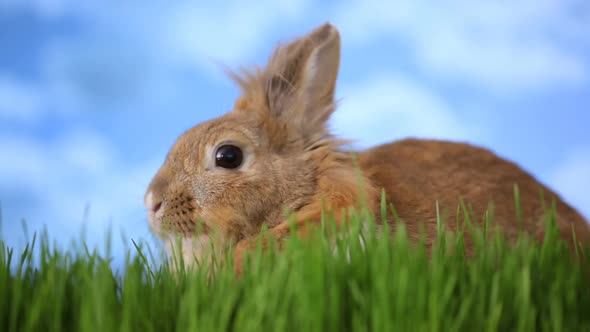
column 93, row 95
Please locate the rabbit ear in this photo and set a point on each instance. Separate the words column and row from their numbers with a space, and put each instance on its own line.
column 300, row 79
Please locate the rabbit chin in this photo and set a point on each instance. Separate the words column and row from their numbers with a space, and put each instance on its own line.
column 189, row 250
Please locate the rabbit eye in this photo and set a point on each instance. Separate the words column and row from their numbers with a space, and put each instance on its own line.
column 228, row 156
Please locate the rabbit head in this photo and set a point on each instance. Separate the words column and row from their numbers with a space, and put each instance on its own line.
column 258, row 162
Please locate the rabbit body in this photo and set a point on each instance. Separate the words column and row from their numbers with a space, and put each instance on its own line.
column 272, row 155
column 459, row 177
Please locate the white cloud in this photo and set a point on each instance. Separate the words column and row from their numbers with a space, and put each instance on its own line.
column 78, row 170
column 19, row 100
column 571, row 178
column 34, row 163
column 84, row 152
column 141, row 53
column 390, row 107
column 185, row 33
column 228, row 33
column 503, row 45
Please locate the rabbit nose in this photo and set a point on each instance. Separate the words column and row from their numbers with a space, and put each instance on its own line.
column 152, row 203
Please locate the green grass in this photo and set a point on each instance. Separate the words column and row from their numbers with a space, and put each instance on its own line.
column 385, row 285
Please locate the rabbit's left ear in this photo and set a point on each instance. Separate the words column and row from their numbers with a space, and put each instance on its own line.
column 301, row 79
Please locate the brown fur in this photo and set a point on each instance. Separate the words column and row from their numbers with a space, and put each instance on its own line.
column 293, row 164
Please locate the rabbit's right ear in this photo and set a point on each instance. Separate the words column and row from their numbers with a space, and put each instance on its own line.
column 300, row 80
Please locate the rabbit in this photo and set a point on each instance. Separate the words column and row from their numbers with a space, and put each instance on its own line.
column 272, row 156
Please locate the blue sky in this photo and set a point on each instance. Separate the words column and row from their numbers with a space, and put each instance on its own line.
column 93, row 95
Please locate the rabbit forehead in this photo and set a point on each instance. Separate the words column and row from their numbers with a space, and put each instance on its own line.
column 196, row 142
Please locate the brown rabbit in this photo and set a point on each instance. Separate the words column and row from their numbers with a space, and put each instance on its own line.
column 273, row 155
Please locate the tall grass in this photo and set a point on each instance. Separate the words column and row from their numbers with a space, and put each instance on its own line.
column 358, row 281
